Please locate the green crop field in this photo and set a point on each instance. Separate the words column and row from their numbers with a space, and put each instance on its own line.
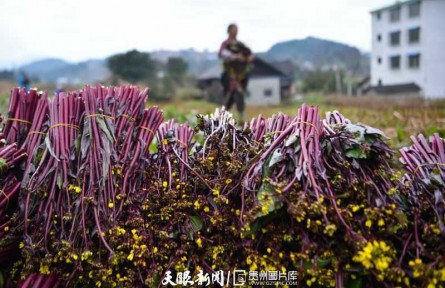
column 397, row 121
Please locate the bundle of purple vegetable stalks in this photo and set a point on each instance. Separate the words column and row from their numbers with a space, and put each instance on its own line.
column 97, row 190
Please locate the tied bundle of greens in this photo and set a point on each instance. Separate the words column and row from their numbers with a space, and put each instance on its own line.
column 97, row 190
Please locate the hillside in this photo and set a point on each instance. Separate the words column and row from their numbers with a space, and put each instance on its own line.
column 313, row 52
column 197, row 61
column 44, row 66
column 54, row 70
column 304, row 54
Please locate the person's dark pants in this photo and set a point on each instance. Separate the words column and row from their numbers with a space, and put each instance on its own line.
column 235, row 97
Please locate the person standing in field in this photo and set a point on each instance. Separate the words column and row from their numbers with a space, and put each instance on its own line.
column 23, row 80
column 237, row 63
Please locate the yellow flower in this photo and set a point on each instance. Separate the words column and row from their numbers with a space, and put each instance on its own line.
column 199, row 242
column 21, row 245
column 228, row 181
column 155, row 250
column 206, row 209
column 164, row 184
column 368, row 223
column 110, row 205
column 44, row 269
column 85, row 255
column 392, row 191
column 374, row 254
column 197, row 205
column 6, row 228
column 381, row 222
column 131, row 255
column 265, row 208
column 330, row 229
column 74, row 188
column 442, row 274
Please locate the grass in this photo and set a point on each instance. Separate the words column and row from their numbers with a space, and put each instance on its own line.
column 398, row 122
column 398, row 119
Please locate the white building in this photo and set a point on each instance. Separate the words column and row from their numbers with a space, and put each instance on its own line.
column 408, row 47
column 267, row 84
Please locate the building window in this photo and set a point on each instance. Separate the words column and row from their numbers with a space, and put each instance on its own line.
column 378, row 15
column 379, row 60
column 414, row 35
column 394, row 38
column 394, row 14
column 414, row 10
column 414, row 61
column 395, row 62
column 267, row 92
column 379, row 37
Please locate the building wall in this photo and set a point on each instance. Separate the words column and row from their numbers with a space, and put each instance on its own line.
column 430, row 75
column 434, row 41
column 263, row 91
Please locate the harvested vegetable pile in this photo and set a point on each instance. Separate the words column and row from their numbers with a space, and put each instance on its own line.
column 97, row 190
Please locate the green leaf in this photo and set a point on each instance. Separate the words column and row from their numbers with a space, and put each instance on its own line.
column 50, row 147
column 354, row 283
column 196, row 223
column 104, row 128
column 59, row 181
column 2, row 281
column 323, row 262
column 153, row 148
column 276, row 157
column 261, row 222
column 39, row 154
column 268, row 197
column 3, row 165
column 77, row 143
column 291, row 140
column 356, row 153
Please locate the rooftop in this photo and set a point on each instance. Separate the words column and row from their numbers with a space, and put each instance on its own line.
column 396, row 5
column 261, row 68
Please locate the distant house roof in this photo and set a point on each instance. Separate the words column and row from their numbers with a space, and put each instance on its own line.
column 261, row 68
column 395, row 5
column 286, row 66
column 395, row 89
column 365, row 80
column 211, row 73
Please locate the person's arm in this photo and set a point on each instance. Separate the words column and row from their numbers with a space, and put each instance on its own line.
column 225, row 54
column 247, row 53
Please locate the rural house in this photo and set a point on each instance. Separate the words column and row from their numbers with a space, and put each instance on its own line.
column 268, row 85
column 408, row 54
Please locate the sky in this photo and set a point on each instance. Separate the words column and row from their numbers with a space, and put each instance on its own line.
column 77, row 30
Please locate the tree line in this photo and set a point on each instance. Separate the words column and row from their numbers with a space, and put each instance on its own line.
column 139, row 67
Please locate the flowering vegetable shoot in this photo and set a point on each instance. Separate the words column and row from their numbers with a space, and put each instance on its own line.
column 98, row 190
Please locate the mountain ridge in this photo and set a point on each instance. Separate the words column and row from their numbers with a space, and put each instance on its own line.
column 308, row 54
